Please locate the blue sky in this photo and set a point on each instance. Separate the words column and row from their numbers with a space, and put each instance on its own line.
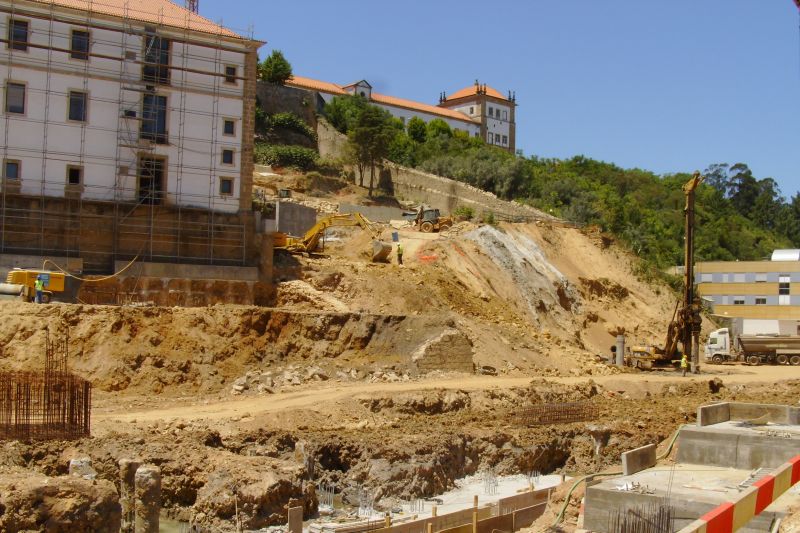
column 667, row 86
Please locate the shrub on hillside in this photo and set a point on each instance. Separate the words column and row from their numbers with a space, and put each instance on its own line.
column 292, row 122
column 286, row 156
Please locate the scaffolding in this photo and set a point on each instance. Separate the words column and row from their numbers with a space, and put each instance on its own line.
column 145, row 197
column 50, row 405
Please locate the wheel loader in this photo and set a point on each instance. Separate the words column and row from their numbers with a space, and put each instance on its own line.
column 428, row 220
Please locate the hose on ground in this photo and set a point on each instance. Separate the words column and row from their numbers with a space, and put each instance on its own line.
column 114, row 275
column 666, row 453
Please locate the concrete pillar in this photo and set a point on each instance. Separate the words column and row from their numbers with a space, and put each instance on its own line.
column 387, row 518
column 696, row 353
column 433, row 511
column 127, row 494
column 475, row 520
column 430, row 527
column 475, row 501
column 620, row 350
column 148, row 498
column 295, row 520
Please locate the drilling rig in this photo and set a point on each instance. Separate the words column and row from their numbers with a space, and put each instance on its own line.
column 684, row 328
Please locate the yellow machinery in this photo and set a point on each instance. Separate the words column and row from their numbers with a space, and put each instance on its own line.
column 20, row 282
column 309, row 242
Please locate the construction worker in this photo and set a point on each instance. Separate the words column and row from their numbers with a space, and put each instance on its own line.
column 684, row 364
column 38, row 286
column 399, row 254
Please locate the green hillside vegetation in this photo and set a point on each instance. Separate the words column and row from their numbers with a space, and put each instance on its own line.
column 739, row 216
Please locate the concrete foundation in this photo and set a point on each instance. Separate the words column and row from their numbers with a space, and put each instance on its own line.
column 294, row 219
column 716, row 461
column 295, row 520
column 148, row 499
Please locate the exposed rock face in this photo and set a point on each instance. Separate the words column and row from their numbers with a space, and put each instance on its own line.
column 450, row 350
column 64, row 504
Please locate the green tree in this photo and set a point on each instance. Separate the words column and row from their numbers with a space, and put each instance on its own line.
column 438, row 128
column 370, row 140
column 416, row 129
column 275, row 69
column 343, row 111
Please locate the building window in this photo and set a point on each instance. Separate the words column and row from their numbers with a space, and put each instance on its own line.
column 152, row 176
column 505, row 115
column 77, row 106
column 226, row 186
column 230, row 74
column 761, row 277
column 738, row 300
column 154, row 118
column 227, row 157
column 784, row 299
column 761, row 301
column 505, row 140
column 497, row 138
column 15, row 98
column 491, row 111
column 11, row 169
column 739, row 278
column 784, row 282
column 489, row 138
column 706, row 278
column 80, row 45
column 18, row 35
column 229, row 127
column 74, row 175
column 155, row 68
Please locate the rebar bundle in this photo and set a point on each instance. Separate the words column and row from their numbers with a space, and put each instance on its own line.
column 49, row 405
column 651, row 518
column 558, row 413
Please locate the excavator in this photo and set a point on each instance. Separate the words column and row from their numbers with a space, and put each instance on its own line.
column 684, row 328
column 309, row 242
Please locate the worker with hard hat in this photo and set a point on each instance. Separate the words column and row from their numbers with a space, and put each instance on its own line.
column 684, row 364
column 38, row 286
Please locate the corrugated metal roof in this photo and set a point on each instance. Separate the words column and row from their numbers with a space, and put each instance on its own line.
column 786, row 255
column 161, row 12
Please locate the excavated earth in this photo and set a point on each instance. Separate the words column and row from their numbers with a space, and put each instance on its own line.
column 394, row 380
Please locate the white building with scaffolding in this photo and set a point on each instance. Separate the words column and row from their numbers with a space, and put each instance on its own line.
column 127, row 130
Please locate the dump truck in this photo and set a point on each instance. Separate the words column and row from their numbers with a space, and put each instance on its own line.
column 308, row 243
column 428, row 220
column 20, row 283
column 755, row 342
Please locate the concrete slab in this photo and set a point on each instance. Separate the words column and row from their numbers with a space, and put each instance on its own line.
column 692, row 490
column 713, row 414
column 638, row 459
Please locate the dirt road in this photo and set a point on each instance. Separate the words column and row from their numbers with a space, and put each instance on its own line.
column 318, row 397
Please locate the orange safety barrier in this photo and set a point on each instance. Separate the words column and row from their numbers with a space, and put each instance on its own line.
column 730, row 516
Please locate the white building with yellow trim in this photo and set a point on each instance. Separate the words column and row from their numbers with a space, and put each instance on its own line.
column 752, row 289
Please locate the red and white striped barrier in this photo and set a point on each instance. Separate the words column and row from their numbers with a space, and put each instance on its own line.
column 730, row 516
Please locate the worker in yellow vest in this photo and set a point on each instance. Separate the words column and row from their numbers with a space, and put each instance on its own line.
column 38, row 286
column 684, row 364
column 399, row 254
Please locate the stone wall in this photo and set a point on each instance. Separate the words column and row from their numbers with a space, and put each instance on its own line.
column 450, row 350
column 282, row 99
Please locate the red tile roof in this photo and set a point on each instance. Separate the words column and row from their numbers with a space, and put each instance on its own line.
column 163, row 12
column 332, row 88
column 472, row 90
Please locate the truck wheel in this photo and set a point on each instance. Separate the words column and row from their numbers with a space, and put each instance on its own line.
column 782, row 359
column 795, row 360
column 426, row 227
column 753, row 359
column 444, row 226
column 45, row 298
column 717, row 359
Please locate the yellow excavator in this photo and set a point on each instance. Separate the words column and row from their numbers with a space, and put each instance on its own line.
column 309, row 242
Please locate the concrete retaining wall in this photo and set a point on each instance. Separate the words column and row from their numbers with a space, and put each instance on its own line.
column 638, row 459
column 707, row 446
column 713, row 414
column 12, row 261
column 281, row 99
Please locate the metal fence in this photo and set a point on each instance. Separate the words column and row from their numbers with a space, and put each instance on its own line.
column 49, row 405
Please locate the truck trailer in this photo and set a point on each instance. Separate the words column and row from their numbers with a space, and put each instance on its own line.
column 755, row 342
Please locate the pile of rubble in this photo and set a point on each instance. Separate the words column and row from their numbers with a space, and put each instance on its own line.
column 271, row 381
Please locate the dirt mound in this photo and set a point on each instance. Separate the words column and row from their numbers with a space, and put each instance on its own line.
column 35, row 502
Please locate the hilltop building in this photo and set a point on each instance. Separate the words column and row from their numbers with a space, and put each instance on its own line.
column 479, row 110
column 132, row 120
column 753, row 289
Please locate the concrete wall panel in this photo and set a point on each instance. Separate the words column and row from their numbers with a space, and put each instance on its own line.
column 713, row 414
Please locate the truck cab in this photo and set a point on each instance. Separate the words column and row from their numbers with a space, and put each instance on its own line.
column 718, row 347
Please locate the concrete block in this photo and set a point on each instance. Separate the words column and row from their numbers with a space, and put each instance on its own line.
column 638, row 459
column 794, row 416
column 702, row 447
column 296, row 520
column 713, row 414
